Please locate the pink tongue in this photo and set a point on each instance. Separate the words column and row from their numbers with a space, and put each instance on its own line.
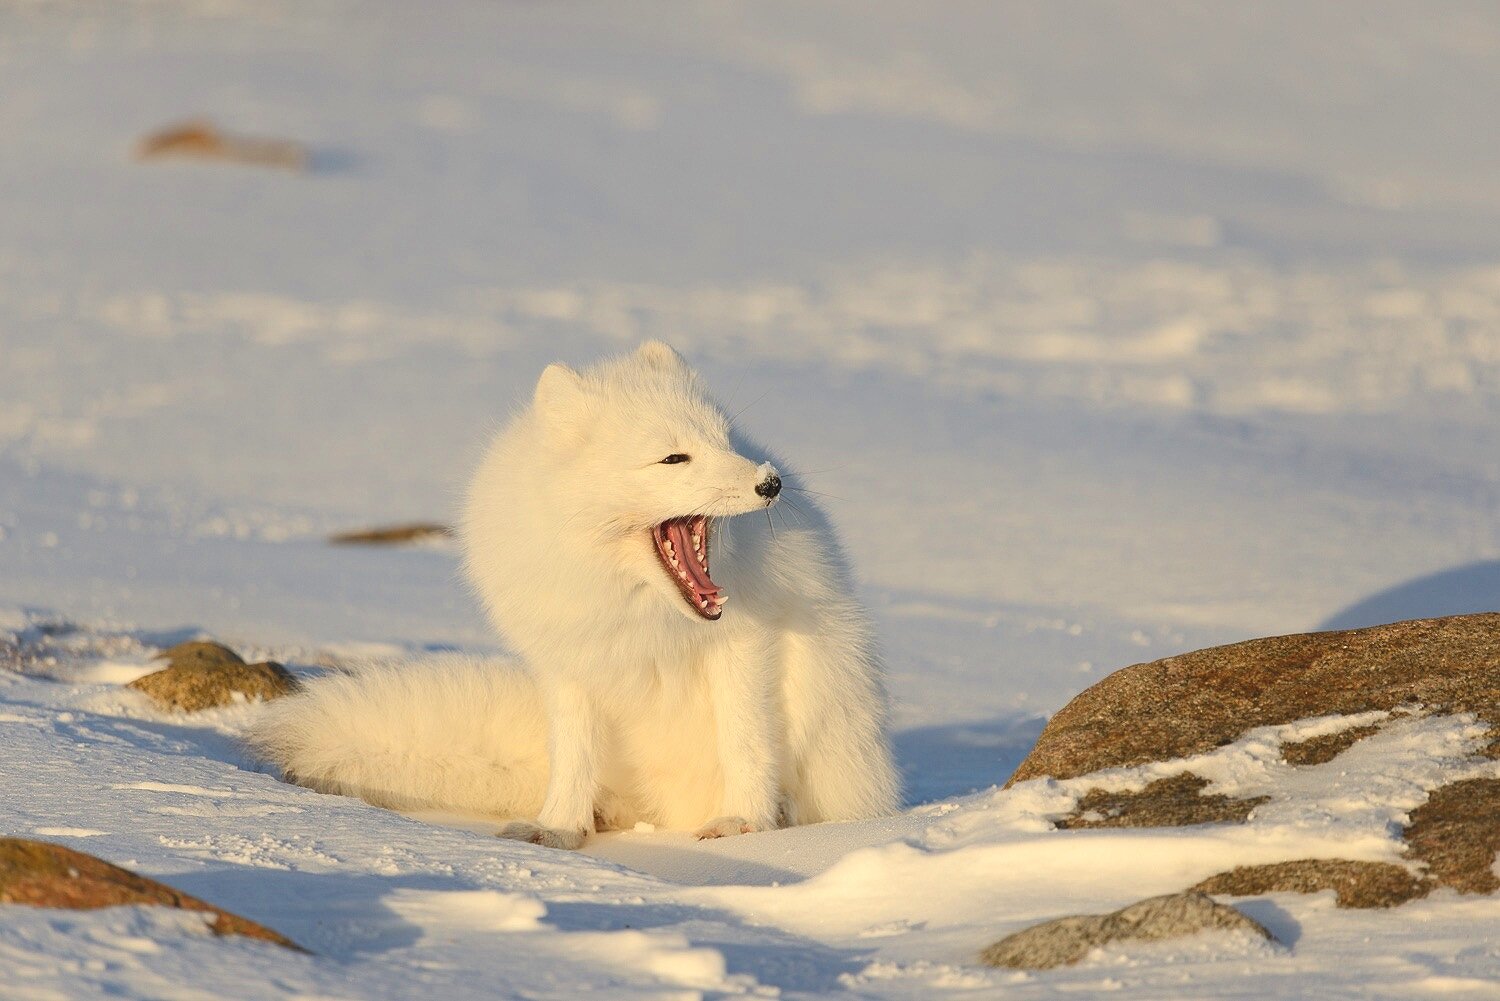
column 681, row 534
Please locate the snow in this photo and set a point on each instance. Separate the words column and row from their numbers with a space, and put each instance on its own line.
column 1102, row 336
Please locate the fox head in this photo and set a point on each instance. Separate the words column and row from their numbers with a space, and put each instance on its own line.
column 639, row 452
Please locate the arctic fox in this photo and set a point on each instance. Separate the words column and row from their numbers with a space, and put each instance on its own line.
column 685, row 662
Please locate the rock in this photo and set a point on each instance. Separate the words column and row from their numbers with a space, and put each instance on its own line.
column 205, row 653
column 1457, row 833
column 1355, row 884
column 42, row 874
column 1067, row 940
column 1170, row 802
column 1195, row 702
column 202, row 140
column 392, row 535
column 202, row 675
column 1321, row 750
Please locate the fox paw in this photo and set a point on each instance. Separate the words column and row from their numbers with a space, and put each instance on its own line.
column 547, row 837
column 723, row 827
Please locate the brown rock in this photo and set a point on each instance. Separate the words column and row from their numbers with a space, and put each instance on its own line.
column 1195, row 702
column 41, row 874
column 1170, row 802
column 202, row 675
column 1355, row 884
column 1457, row 833
column 1067, row 940
column 1321, row 750
column 392, row 535
column 202, row 140
column 200, row 652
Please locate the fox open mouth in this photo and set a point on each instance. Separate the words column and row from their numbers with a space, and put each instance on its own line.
column 682, row 546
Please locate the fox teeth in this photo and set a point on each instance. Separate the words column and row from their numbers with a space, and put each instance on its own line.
column 720, row 599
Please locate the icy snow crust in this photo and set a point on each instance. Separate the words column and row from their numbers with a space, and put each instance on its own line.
column 1095, row 344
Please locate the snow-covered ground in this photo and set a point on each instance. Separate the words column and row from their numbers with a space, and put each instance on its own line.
column 1104, row 332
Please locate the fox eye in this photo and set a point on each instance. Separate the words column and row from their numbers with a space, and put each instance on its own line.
column 675, row 458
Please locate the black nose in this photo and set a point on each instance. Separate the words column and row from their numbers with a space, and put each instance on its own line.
column 769, row 487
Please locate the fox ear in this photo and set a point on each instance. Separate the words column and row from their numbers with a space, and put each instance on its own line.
column 559, row 396
column 660, row 355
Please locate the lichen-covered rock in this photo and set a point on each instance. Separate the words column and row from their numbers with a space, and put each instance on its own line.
column 1067, row 940
column 1457, row 833
column 202, row 140
column 1454, row 838
column 1192, row 703
column 42, row 874
column 1171, row 802
column 1355, row 884
column 201, row 675
column 393, row 535
column 204, row 653
column 1321, row 750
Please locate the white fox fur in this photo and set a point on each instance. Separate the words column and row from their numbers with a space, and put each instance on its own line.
column 632, row 705
column 453, row 732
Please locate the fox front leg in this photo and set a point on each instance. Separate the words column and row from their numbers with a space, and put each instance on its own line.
column 836, row 734
column 567, row 814
column 747, row 728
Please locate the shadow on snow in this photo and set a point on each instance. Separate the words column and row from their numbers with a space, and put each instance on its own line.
column 955, row 759
column 1474, row 587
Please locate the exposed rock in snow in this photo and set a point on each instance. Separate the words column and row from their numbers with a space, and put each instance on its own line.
column 1454, row 836
column 202, row 140
column 1321, row 750
column 1457, row 833
column 1192, row 703
column 1170, row 802
column 41, row 874
column 1067, row 940
column 1355, row 884
column 201, row 675
column 1437, row 670
column 393, row 535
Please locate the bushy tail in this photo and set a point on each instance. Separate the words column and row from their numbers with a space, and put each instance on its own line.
column 454, row 732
